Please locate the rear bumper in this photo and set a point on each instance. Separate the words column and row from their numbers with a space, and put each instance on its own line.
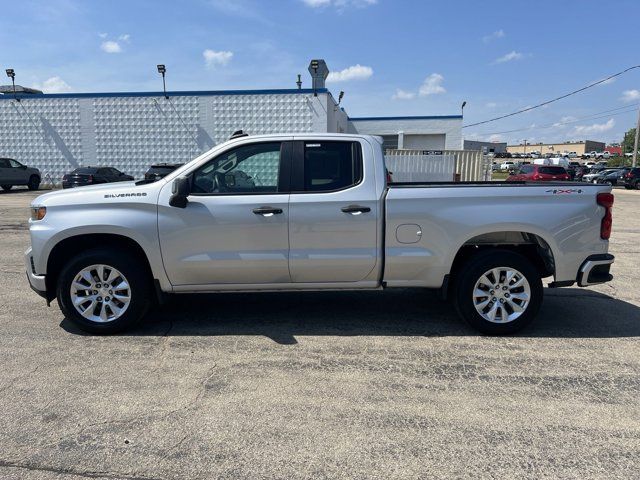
column 36, row 282
column 595, row 270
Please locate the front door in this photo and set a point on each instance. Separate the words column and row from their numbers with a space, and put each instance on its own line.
column 333, row 213
column 234, row 230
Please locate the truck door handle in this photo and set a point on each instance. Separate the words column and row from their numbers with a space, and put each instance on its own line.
column 355, row 209
column 267, row 211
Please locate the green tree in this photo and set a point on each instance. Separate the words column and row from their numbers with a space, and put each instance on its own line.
column 629, row 139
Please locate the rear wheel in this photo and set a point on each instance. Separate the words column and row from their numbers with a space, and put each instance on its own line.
column 6, row 188
column 498, row 292
column 102, row 291
column 34, row 182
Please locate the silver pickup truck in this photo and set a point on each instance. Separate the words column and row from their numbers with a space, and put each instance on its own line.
column 313, row 212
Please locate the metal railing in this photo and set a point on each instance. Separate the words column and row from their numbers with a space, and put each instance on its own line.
column 438, row 166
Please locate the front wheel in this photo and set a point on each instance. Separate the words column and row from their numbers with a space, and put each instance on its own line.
column 498, row 292
column 102, row 291
column 34, row 183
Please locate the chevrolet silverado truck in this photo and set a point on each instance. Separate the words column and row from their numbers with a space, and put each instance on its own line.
column 313, row 212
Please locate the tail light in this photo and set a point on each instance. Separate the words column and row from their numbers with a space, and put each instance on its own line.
column 536, row 177
column 605, row 200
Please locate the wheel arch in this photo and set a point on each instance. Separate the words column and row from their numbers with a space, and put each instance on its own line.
column 531, row 245
column 77, row 243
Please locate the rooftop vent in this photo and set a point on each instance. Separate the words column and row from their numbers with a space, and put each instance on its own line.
column 319, row 73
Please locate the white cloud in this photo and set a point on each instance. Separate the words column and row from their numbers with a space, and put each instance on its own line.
column 496, row 137
column 125, row 37
column 432, row 85
column 354, row 72
column 509, row 57
column 53, row 85
column 595, row 128
column 493, row 36
column 339, row 4
column 213, row 58
column 111, row 47
column 564, row 120
column 103, row 35
column 630, row 95
column 403, row 95
column 491, row 104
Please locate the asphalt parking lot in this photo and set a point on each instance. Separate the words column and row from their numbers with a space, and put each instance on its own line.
column 322, row 385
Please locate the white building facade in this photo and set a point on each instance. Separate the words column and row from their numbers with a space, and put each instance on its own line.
column 130, row 131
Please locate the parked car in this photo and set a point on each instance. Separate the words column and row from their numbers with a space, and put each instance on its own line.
column 160, row 170
column 612, row 178
column 507, row 165
column 579, row 172
column 572, row 155
column 12, row 172
column 596, row 174
column 327, row 220
column 632, row 179
column 539, row 173
column 93, row 175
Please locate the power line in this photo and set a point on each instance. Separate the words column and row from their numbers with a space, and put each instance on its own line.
column 554, row 99
column 593, row 116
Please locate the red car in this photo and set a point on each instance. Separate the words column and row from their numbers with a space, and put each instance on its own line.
column 539, row 173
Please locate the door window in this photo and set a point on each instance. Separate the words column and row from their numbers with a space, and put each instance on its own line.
column 14, row 163
column 4, row 163
column 330, row 166
column 253, row 168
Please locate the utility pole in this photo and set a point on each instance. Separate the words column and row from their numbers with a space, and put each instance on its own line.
column 635, row 143
column 525, row 145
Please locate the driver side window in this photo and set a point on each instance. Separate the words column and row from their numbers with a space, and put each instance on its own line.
column 250, row 168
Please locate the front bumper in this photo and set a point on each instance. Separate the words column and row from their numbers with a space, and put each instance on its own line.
column 595, row 270
column 36, row 282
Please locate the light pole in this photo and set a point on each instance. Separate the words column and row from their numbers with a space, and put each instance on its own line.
column 12, row 75
column 162, row 70
column 462, row 108
column 525, row 145
column 635, row 143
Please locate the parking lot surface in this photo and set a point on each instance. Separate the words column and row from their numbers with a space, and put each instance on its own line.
column 322, row 385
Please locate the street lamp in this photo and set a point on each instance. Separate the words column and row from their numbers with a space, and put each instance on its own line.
column 162, row 70
column 340, row 96
column 12, row 75
column 462, row 108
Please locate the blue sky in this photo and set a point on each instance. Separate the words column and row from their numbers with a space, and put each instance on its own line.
column 390, row 57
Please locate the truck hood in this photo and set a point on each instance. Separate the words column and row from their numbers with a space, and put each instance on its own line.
column 103, row 193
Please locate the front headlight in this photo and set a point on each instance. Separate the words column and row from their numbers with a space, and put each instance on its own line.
column 38, row 213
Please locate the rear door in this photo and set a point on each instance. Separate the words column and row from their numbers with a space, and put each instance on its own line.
column 333, row 211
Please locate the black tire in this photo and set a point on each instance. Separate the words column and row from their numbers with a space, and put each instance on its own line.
column 130, row 266
column 34, row 182
column 637, row 185
column 471, row 272
column 6, row 188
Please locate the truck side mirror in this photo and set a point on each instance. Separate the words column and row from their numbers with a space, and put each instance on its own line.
column 180, row 190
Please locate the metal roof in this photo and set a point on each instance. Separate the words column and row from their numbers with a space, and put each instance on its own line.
column 190, row 93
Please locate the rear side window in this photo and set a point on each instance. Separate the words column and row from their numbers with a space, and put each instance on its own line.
column 526, row 169
column 330, row 166
column 552, row 170
column 86, row 171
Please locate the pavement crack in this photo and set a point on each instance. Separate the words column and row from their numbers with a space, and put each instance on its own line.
column 73, row 472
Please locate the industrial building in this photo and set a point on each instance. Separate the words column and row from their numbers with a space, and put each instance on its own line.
column 485, row 147
column 131, row 130
column 580, row 148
